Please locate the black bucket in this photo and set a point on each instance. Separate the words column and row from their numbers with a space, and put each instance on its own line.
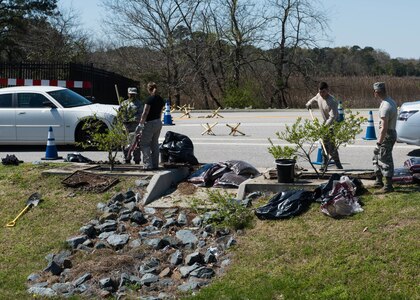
column 285, row 170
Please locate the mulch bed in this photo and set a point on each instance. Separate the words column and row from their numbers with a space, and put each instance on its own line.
column 89, row 181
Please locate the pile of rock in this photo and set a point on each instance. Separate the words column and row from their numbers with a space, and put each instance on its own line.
column 133, row 251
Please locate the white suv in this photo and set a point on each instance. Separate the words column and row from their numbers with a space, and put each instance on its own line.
column 27, row 112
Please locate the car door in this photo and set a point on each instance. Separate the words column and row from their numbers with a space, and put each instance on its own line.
column 7, row 118
column 33, row 119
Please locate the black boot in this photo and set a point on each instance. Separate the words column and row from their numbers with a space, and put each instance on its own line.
column 378, row 182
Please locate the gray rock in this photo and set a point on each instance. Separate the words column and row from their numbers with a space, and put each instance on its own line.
column 117, row 240
column 182, row 218
column 131, row 199
column 169, row 222
column 150, row 266
column 201, row 244
column 149, row 210
column 124, row 217
column 100, row 245
column 43, row 292
column 145, row 234
column 74, row 241
column 129, row 194
column 131, row 206
column 193, row 258
column 109, row 225
column 197, row 221
column 107, row 284
column 186, row 270
column 63, row 288
column 189, row 286
column 209, row 215
column 88, row 230
column 41, row 284
column 156, row 243
column 209, row 228
column 108, row 216
column 203, row 272
column 148, row 278
column 101, row 206
column 53, row 268
column 225, row 262
column 141, row 182
column 176, row 258
column 33, row 277
column 115, row 208
column 138, row 217
column 82, row 279
column 210, row 256
column 119, row 197
column 135, row 243
column 157, row 222
column 187, row 237
column 171, row 241
column 105, row 235
column 169, row 213
column 231, row 242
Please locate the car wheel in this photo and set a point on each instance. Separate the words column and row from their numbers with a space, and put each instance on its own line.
column 83, row 136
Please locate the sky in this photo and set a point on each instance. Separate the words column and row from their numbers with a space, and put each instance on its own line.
column 387, row 25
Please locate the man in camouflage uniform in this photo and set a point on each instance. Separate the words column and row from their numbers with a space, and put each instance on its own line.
column 329, row 111
column 131, row 110
column 382, row 155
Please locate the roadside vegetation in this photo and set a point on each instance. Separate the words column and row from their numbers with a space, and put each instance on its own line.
column 371, row 255
column 208, row 54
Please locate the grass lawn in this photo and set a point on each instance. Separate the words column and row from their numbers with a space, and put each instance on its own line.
column 371, row 255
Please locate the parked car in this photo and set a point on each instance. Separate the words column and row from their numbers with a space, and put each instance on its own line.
column 27, row 112
column 408, row 123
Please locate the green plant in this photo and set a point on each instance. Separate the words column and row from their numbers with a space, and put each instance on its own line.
column 305, row 134
column 229, row 212
column 278, row 151
column 111, row 140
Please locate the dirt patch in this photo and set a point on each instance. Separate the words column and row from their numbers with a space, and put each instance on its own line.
column 89, row 181
column 186, row 188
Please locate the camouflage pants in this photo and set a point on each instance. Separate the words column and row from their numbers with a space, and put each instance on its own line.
column 383, row 163
column 331, row 150
column 136, row 155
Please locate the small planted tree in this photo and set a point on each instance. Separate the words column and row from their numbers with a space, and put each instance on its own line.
column 111, row 140
column 305, row 134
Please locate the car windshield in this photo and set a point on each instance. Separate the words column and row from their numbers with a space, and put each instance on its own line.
column 68, row 98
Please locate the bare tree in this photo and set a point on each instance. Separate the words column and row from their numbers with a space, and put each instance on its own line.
column 56, row 39
column 151, row 24
column 296, row 24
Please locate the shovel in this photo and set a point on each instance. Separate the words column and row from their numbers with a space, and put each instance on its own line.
column 33, row 200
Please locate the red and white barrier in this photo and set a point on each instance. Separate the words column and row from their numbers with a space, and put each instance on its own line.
column 62, row 83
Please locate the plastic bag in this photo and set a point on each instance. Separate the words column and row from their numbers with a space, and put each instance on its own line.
column 178, row 148
column 413, row 164
column 77, row 157
column 402, row 175
column 229, row 179
column 341, row 200
column 242, row 168
column 285, row 205
column 11, row 160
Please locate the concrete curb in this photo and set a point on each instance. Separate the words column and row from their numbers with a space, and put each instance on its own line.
column 162, row 181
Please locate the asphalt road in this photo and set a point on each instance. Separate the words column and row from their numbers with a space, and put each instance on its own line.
column 257, row 126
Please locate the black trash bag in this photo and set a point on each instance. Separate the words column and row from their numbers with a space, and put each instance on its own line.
column 229, row 179
column 178, row 148
column 285, row 205
column 77, row 157
column 242, row 168
column 11, row 160
column 199, row 177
